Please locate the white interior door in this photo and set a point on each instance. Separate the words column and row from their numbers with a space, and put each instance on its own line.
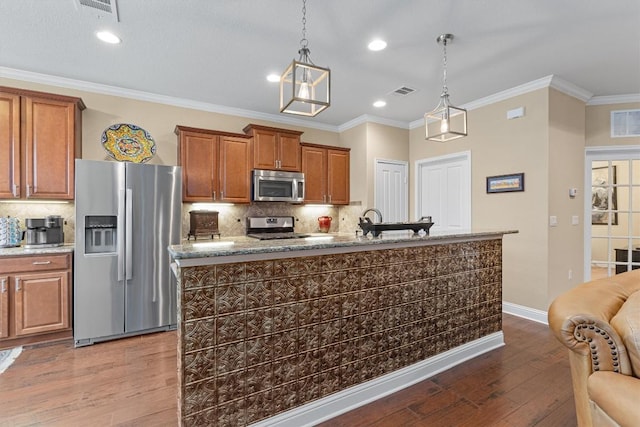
column 443, row 191
column 391, row 190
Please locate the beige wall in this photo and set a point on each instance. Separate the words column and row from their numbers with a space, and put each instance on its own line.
column 566, row 170
column 158, row 119
column 598, row 129
column 499, row 146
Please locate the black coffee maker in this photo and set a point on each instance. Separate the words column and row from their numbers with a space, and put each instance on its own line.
column 44, row 231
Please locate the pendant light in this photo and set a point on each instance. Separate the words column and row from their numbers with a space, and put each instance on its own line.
column 451, row 122
column 304, row 87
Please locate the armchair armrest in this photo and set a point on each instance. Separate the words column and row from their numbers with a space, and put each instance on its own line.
column 580, row 319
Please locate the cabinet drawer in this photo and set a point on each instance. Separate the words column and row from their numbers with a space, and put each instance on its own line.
column 35, row 263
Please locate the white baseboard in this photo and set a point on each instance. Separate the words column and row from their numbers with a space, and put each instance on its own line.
column 525, row 312
column 361, row 394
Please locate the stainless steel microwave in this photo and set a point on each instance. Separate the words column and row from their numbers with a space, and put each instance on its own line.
column 278, row 186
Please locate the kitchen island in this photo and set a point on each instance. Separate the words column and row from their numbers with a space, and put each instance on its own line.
column 293, row 331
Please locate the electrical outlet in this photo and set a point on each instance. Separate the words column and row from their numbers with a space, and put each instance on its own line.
column 570, row 274
column 553, row 221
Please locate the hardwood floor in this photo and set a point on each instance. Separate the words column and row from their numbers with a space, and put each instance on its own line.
column 525, row 383
column 133, row 382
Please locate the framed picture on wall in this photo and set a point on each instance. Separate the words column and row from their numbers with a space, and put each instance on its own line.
column 601, row 188
column 505, row 183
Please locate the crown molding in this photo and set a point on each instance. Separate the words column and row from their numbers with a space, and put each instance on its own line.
column 32, row 77
column 366, row 118
column 548, row 81
column 541, row 83
column 615, row 99
column 570, row 89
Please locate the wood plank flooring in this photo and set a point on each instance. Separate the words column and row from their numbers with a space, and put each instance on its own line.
column 133, row 382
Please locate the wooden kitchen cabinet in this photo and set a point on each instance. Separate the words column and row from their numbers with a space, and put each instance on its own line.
column 275, row 149
column 216, row 166
column 326, row 174
column 35, row 299
column 40, row 138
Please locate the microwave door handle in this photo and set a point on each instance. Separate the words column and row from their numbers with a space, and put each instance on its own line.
column 120, row 234
column 129, row 237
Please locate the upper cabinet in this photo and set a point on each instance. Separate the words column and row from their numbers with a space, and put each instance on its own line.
column 326, row 174
column 40, row 138
column 275, row 149
column 216, row 166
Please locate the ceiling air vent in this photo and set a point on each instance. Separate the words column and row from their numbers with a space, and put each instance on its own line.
column 625, row 123
column 106, row 8
column 403, row 91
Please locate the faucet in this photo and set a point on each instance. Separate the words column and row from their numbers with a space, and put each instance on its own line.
column 372, row 210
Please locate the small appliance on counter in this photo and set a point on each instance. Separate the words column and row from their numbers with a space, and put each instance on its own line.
column 44, row 232
column 203, row 223
column 10, row 233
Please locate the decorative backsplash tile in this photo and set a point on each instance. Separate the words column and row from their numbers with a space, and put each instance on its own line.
column 23, row 211
column 232, row 219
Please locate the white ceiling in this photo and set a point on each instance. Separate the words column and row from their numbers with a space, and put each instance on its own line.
column 219, row 51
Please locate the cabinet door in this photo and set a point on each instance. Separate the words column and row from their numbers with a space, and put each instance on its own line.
column 235, row 184
column 41, row 302
column 265, row 149
column 289, row 152
column 314, row 167
column 4, row 306
column 198, row 157
column 9, row 145
column 49, row 148
column 338, row 176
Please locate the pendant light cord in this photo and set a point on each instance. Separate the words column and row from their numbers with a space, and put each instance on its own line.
column 445, row 89
column 304, row 42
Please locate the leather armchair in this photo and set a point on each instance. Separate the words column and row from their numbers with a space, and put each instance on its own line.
column 599, row 322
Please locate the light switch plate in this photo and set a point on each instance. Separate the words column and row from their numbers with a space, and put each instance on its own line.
column 575, row 220
column 553, row 220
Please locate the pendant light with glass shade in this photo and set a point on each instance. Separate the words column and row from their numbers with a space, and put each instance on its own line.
column 451, row 122
column 304, row 86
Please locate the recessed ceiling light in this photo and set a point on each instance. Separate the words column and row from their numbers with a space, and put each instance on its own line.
column 379, row 104
column 274, row 78
column 377, row 45
column 108, row 37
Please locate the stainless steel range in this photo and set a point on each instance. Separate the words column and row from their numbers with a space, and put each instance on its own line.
column 272, row 227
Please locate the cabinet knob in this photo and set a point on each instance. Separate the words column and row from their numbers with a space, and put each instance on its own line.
column 214, row 195
column 3, row 286
column 41, row 262
column 16, row 193
column 18, row 288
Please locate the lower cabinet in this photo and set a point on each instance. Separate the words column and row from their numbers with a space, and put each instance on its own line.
column 35, row 299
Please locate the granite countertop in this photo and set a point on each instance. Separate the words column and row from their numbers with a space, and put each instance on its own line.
column 21, row 250
column 242, row 245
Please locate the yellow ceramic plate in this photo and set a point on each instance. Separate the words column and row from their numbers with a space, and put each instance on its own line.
column 128, row 143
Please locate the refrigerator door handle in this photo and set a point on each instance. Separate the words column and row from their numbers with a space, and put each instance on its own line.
column 129, row 237
column 120, row 234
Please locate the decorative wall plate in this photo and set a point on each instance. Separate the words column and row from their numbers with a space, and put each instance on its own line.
column 128, row 143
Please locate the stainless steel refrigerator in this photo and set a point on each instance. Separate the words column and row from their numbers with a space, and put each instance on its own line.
column 127, row 215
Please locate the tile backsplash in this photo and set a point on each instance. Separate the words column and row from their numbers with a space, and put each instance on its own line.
column 23, row 211
column 231, row 219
